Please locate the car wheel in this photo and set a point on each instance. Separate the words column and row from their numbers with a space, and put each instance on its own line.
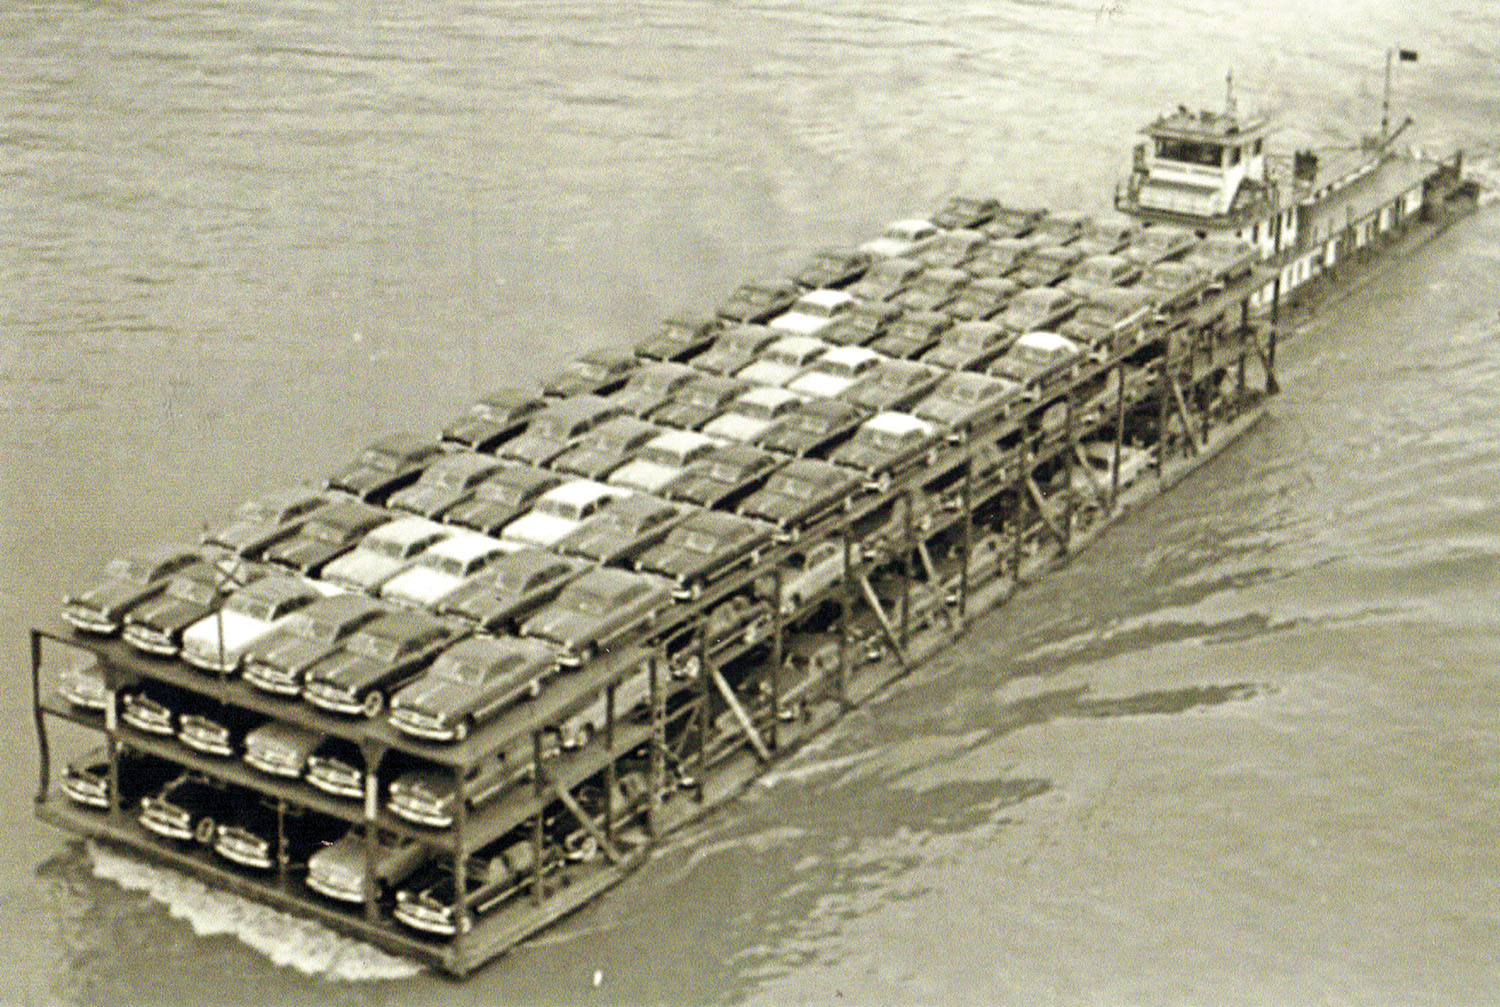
column 373, row 703
column 203, row 832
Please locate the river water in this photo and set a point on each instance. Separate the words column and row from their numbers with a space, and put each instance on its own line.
column 1242, row 751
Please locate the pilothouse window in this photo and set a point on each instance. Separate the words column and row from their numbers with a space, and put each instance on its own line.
column 1207, row 154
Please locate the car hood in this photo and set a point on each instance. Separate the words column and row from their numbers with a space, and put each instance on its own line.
column 239, row 631
column 562, row 625
column 860, row 456
column 420, row 586
column 945, row 412
column 242, row 536
column 293, row 653
column 474, row 429
column 534, row 449
column 363, row 569
column 800, row 324
column 697, row 487
column 114, row 596
column 822, row 384
column 487, row 516
column 674, row 561
column 359, row 479
column 351, row 671
column 428, row 501
column 771, row 506
column 166, row 612
column 305, row 553
column 483, row 606
column 790, row 440
column 599, row 544
column 649, row 476
column 769, row 372
column 539, row 529
column 736, row 427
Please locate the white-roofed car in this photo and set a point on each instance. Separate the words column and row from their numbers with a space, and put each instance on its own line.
column 903, row 237
column 1038, row 362
column 559, row 511
column 385, row 552
column 886, row 446
column 752, row 413
column 814, row 311
column 783, row 360
column 217, row 641
column 444, row 568
column 1098, row 477
column 837, row 370
column 662, row 459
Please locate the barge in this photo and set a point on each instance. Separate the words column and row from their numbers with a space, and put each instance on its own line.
column 434, row 753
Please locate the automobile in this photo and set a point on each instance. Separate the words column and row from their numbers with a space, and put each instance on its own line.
column 952, row 249
column 893, row 384
column 281, row 749
column 1099, row 271
column 596, row 372
column 630, row 798
column 1160, row 243
column 385, row 552
column 327, row 534
column 803, row 493
column 81, row 681
column 964, row 399
column 662, row 459
column 751, row 413
column 886, row 446
column 1038, row 361
column 811, row 572
column 216, row 729
column 724, row 476
column 128, row 581
column 278, row 660
column 1112, row 319
column 782, row 361
column 814, row 311
column 470, row 683
column 679, row 338
column 1048, row 264
column 1001, row 256
column 155, row 626
column 1013, row 221
column 632, row 696
column 1224, row 258
column 902, row 237
column 441, row 570
column 266, row 520
column 1107, row 235
column 386, row 466
column 495, row 418
column 705, row 397
column 886, row 278
column 85, row 779
column 559, row 511
column 381, row 655
column 969, row 345
column 558, row 427
column 607, row 448
column 1175, row 285
column 337, row 766
column 594, row 610
column 702, row 550
column 429, row 901
column 1039, row 308
column 623, row 527
column 836, row 371
column 984, row 298
column 911, row 335
column 934, row 289
column 502, row 498
column 863, row 322
column 734, row 348
column 513, row 586
column 260, row 835
column 759, row 301
column 989, row 465
column 738, row 617
column 651, row 385
column 812, row 427
column 154, row 707
column 445, row 482
column 429, row 795
column 833, row 267
column 1099, row 457
column 965, row 212
column 188, row 808
column 338, row 869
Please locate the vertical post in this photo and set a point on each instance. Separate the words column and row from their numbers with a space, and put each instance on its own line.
column 1161, row 412
column 846, row 605
column 968, row 506
column 44, row 756
column 702, row 689
column 372, row 756
column 611, row 773
column 658, row 742
column 1018, row 516
column 1114, row 467
column 1070, row 435
column 906, row 572
column 281, row 843
column 778, row 655
column 539, row 788
column 1385, row 100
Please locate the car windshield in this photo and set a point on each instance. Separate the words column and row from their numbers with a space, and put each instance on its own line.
column 252, row 607
column 589, row 602
column 310, row 627
column 124, row 568
column 257, row 511
column 381, row 460
column 450, row 566
column 889, row 272
column 696, row 541
column 726, row 472
column 453, row 669
column 569, row 510
column 760, row 410
column 191, row 590
column 844, row 368
column 391, row 549
column 797, row 489
column 323, row 531
column 754, row 296
column 552, row 428
column 381, row 648
column 506, row 493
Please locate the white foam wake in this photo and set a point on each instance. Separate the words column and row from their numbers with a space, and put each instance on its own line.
column 286, row 940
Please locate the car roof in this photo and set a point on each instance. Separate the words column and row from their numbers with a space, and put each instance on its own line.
column 769, row 395
column 801, row 345
column 1041, row 339
column 898, row 423
column 910, row 224
column 529, row 559
column 466, row 545
column 274, row 588
column 406, row 529
column 682, row 440
column 400, row 622
column 582, row 491
column 610, row 579
column 576, row 407
column 464, row 463
column 342, row 605
column 1043, row 296
column 972, row 380
column 978, row 325
column 484, row 649
column 826, row 297
column 285, row 495
column 400, row 443
column 853, row 354
column 348, row 512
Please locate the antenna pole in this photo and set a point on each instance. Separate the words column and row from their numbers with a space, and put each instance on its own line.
column 1385, row 101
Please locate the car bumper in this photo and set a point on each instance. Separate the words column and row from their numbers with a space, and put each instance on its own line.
column 89, row 620
column 336, row 889
column 421, row 726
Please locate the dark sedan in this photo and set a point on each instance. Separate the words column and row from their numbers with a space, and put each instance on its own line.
column 1112, row 320
column 678, row 338
column 1013, row 221
column 278, row 661
column 953, row 249
column 607, row 448
column 705, row 548
column 385, row 466
column 217, row 730
column 1175, row 285
column 513, row 587
column 328, row 534
column 804, row 492
column 1049, row 264
column 912, row 335
column 85, row 779
column 724, row 477
column 862, row 323
column 188, row 809
column 965, row 398
column 813, row 426
column 651, row 385
column 381, row 655
column 155, row 626
column 258, row 835
column 736, row 347
column 623, row 528
column 558, row 427
column 267, row 520
column 888, row 446
column 128, row 581
column 470, row 683
column 446, row 481
column 966, row 211
column 759, row 301
column 986, row 297
column 502, row 498
column 495, row 418
column 833, row 267
column 429, row 901
column 595, row 610
column 703, row 399
column 887, row 278
column 969, row 345
column 895, row 384
column 933, row 290
column 597, row 372
column 1001, row 257
column 1039, row 308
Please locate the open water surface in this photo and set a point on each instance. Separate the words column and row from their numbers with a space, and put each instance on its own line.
column 1242, row 751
